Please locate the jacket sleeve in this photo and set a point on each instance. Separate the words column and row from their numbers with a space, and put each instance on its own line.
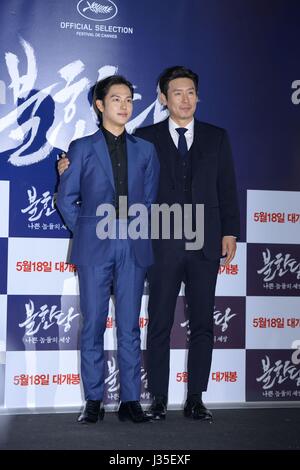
column 69, row 187
column 227, row 190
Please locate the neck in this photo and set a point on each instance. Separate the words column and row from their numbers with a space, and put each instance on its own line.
column 113, row 128
column 182, row 122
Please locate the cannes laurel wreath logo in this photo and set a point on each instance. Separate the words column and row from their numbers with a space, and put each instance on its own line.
column 97, row 11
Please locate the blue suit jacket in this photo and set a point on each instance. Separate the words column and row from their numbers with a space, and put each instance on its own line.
column 89, row 182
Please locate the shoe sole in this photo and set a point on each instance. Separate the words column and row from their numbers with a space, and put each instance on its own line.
column 157, row 417
column 205, row 418
column 99, row 418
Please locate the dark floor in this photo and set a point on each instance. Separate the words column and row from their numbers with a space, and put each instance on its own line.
column 270, row 429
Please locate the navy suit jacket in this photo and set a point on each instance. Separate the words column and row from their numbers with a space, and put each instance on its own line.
column 213, row 181
column 89, row 182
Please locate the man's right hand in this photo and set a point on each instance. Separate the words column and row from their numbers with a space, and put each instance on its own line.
column 63, row 163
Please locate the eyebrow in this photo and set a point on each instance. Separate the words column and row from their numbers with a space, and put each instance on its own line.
column 187, row 89
column 119, row 96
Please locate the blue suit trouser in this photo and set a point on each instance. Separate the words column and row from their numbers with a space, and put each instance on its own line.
column 95, row 282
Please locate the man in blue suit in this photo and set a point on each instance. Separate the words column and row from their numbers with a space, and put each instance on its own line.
column 106, row 168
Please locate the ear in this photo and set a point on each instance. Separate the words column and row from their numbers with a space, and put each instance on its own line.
column 99, row 105
column 163, row 99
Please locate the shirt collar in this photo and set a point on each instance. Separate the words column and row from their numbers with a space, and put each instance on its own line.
column 111, row 138
column 173, row 126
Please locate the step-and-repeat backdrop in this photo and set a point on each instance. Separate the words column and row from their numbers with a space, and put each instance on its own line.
column 246, row 54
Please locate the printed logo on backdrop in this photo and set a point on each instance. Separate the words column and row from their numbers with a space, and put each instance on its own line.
column 33, row 212
column 32, row 126
column 273, row 269
column 272, row 375
column 43, row 323
column 99, row 13
column 112, row 380
column 38, row 123
column 229, row 323
column 103, row 11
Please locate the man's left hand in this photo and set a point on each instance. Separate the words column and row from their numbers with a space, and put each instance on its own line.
column 228, row 248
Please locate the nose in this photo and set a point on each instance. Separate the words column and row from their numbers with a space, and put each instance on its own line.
column 185, row 98
column 124, row 104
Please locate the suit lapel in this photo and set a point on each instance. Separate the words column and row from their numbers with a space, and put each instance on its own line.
column 167, row 148
column 101, row 150
column 199, row 135
column 197, row 147
column 132, row 155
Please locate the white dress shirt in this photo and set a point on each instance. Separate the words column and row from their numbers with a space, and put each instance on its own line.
column 189, row 135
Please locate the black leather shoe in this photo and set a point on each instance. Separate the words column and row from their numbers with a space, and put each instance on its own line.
column 158, row 408
column 132, row 411
column 196, row 409
column 93, row 411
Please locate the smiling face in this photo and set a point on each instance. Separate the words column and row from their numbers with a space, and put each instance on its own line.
column 116, row 108
column 181, row 100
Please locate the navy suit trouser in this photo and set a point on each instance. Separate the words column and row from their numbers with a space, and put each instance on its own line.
column 165, row 277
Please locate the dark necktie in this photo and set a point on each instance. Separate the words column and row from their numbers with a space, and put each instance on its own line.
column 182, row 145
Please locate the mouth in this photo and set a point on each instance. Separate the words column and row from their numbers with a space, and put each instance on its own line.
column 124, row 115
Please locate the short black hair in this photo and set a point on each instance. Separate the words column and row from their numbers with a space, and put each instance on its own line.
column 177, row 71
column 102, row 88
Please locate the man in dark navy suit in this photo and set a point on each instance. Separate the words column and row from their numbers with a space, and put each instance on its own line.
column 196, row 167
column 106, row 167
